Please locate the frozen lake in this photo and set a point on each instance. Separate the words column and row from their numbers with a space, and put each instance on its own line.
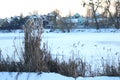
column 89, row 46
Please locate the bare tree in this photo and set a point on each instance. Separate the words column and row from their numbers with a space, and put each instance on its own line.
column 61, row 23
column 117, row 14
column 94, row 7
column 65, row 23
column 114, row 18
column 69, row 22
column 56, row 13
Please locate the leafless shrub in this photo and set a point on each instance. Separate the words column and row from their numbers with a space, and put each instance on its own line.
column 72, row 68
column 111, row 69
column 33, row 53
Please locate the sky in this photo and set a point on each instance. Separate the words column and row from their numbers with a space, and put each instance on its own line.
column 10, row 8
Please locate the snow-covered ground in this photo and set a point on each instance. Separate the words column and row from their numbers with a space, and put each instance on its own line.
column 91, row 46
column 47, row 76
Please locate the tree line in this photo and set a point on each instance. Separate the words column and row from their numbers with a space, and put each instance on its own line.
column 100, row 14
column 13, row 23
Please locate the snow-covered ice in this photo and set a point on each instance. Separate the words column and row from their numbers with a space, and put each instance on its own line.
column 89, row 46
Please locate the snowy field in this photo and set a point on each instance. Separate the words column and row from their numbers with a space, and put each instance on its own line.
column 90, row 46
column 48, row 76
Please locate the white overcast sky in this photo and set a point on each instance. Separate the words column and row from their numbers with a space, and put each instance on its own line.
column 10, row 8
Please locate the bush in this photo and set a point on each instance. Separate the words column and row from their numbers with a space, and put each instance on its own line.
column 33, row 54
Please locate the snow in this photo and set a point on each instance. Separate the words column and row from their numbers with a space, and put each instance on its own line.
column 86, row 43
column 47, row 76
column 90, row 45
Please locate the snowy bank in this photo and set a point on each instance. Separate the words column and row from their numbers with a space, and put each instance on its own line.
column 47, row 76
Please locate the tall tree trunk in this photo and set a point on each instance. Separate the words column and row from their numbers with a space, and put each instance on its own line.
column 95, row 18
column 96, row 22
